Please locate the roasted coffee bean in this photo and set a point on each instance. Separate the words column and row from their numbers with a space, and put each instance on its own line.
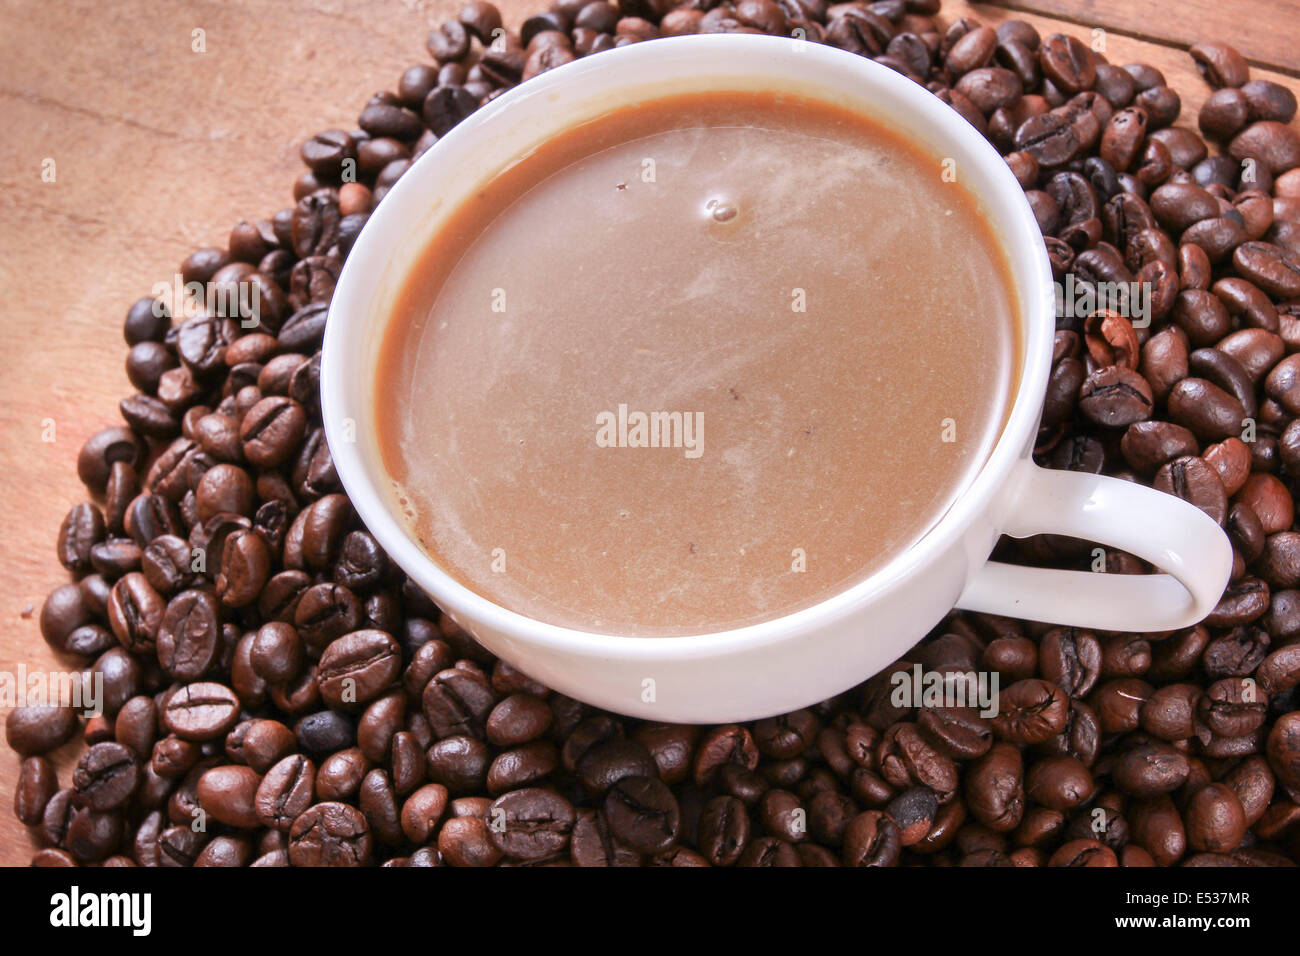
column 121, row 674
column 149, row 417
column 481, row 19
column 356, row 668
column 362, row 564
column 179, row 846
column 312, row 280
column 914, row 813
column 228, row 795
column 730, row 744
column 330, row 834
column 1118, row 703
column 1283, row 749
column 643, row 814
column 201, row 343
column 871, row 839
column 422, row 811
column 135, row 612
column 271, row 430
column 1272, row 268
column 65, row 609
column 1071, row 660
column 325, row 154
column 1030, row 711
column 1216, row 821
column 518, row 719
column 260, row 743
column 592, row 844
column 604, row 764
column 1233, row 707
column 724, row 830
column 1206, row 410
column 1243, row 601
column 189, row 635
column 325, row 612
column 106, row 777
column 448, row 42
column 1148, row 770
column 37, row 784
column 1223, row 114
column 146, row 363
column 102, row 449
column 975, row 49
column 1220, row 64
column 465, row 842
column 458, row 702
column 1202, row 316
column 227, row 851
column 324, row 526
column 1059, row 783
column 1084, row 852
column 1171, row 712
column 384, row 116
column 136, row 726
column 1280, row 670
column 1148, row 445
column 995, row 788
column 245, row 568
column 147, row 320
column 200, row 711
column 81, row 530
column 446, row 106
column 1122, row 140
column 276, row 653
column 1252, row 783
column 769, row 851
column 93, row 835
column 959, row 732
column 379, row 803
column 1217, row 237
column 1067, row 62
column 382, row 719
column 324, row 732
column 459, row 763
column 151, row 516
column 1179, row 205
column 988, row 87
column 530, row 824
column 1195, row 482
column 1115, row 396
column 1227, row 373
column 905, row 759
column 1235, row 654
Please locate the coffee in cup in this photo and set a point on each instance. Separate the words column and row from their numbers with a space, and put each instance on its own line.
column 696, row 363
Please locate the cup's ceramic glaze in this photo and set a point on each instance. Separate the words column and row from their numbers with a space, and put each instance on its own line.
column 809, row 655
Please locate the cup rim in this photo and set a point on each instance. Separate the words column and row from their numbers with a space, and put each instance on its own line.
column 349, row 310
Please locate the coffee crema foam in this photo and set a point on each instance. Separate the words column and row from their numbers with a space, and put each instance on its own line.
column 807, row 286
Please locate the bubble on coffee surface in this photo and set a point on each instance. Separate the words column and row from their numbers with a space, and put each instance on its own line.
column 722, row 210
column 723, row 217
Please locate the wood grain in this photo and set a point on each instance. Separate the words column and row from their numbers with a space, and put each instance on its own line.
column 1270, row 25
column 158, row 150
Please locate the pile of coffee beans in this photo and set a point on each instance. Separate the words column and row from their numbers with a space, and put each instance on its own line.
column 276, row 692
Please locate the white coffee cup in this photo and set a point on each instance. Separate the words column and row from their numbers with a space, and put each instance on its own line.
column 798, row 659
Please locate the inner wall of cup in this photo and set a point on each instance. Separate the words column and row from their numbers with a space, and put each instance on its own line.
column 540, row 113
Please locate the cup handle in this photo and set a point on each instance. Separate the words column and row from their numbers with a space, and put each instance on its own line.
column 1176, row 537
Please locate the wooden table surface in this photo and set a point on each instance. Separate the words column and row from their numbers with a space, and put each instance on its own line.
column 158, row 149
